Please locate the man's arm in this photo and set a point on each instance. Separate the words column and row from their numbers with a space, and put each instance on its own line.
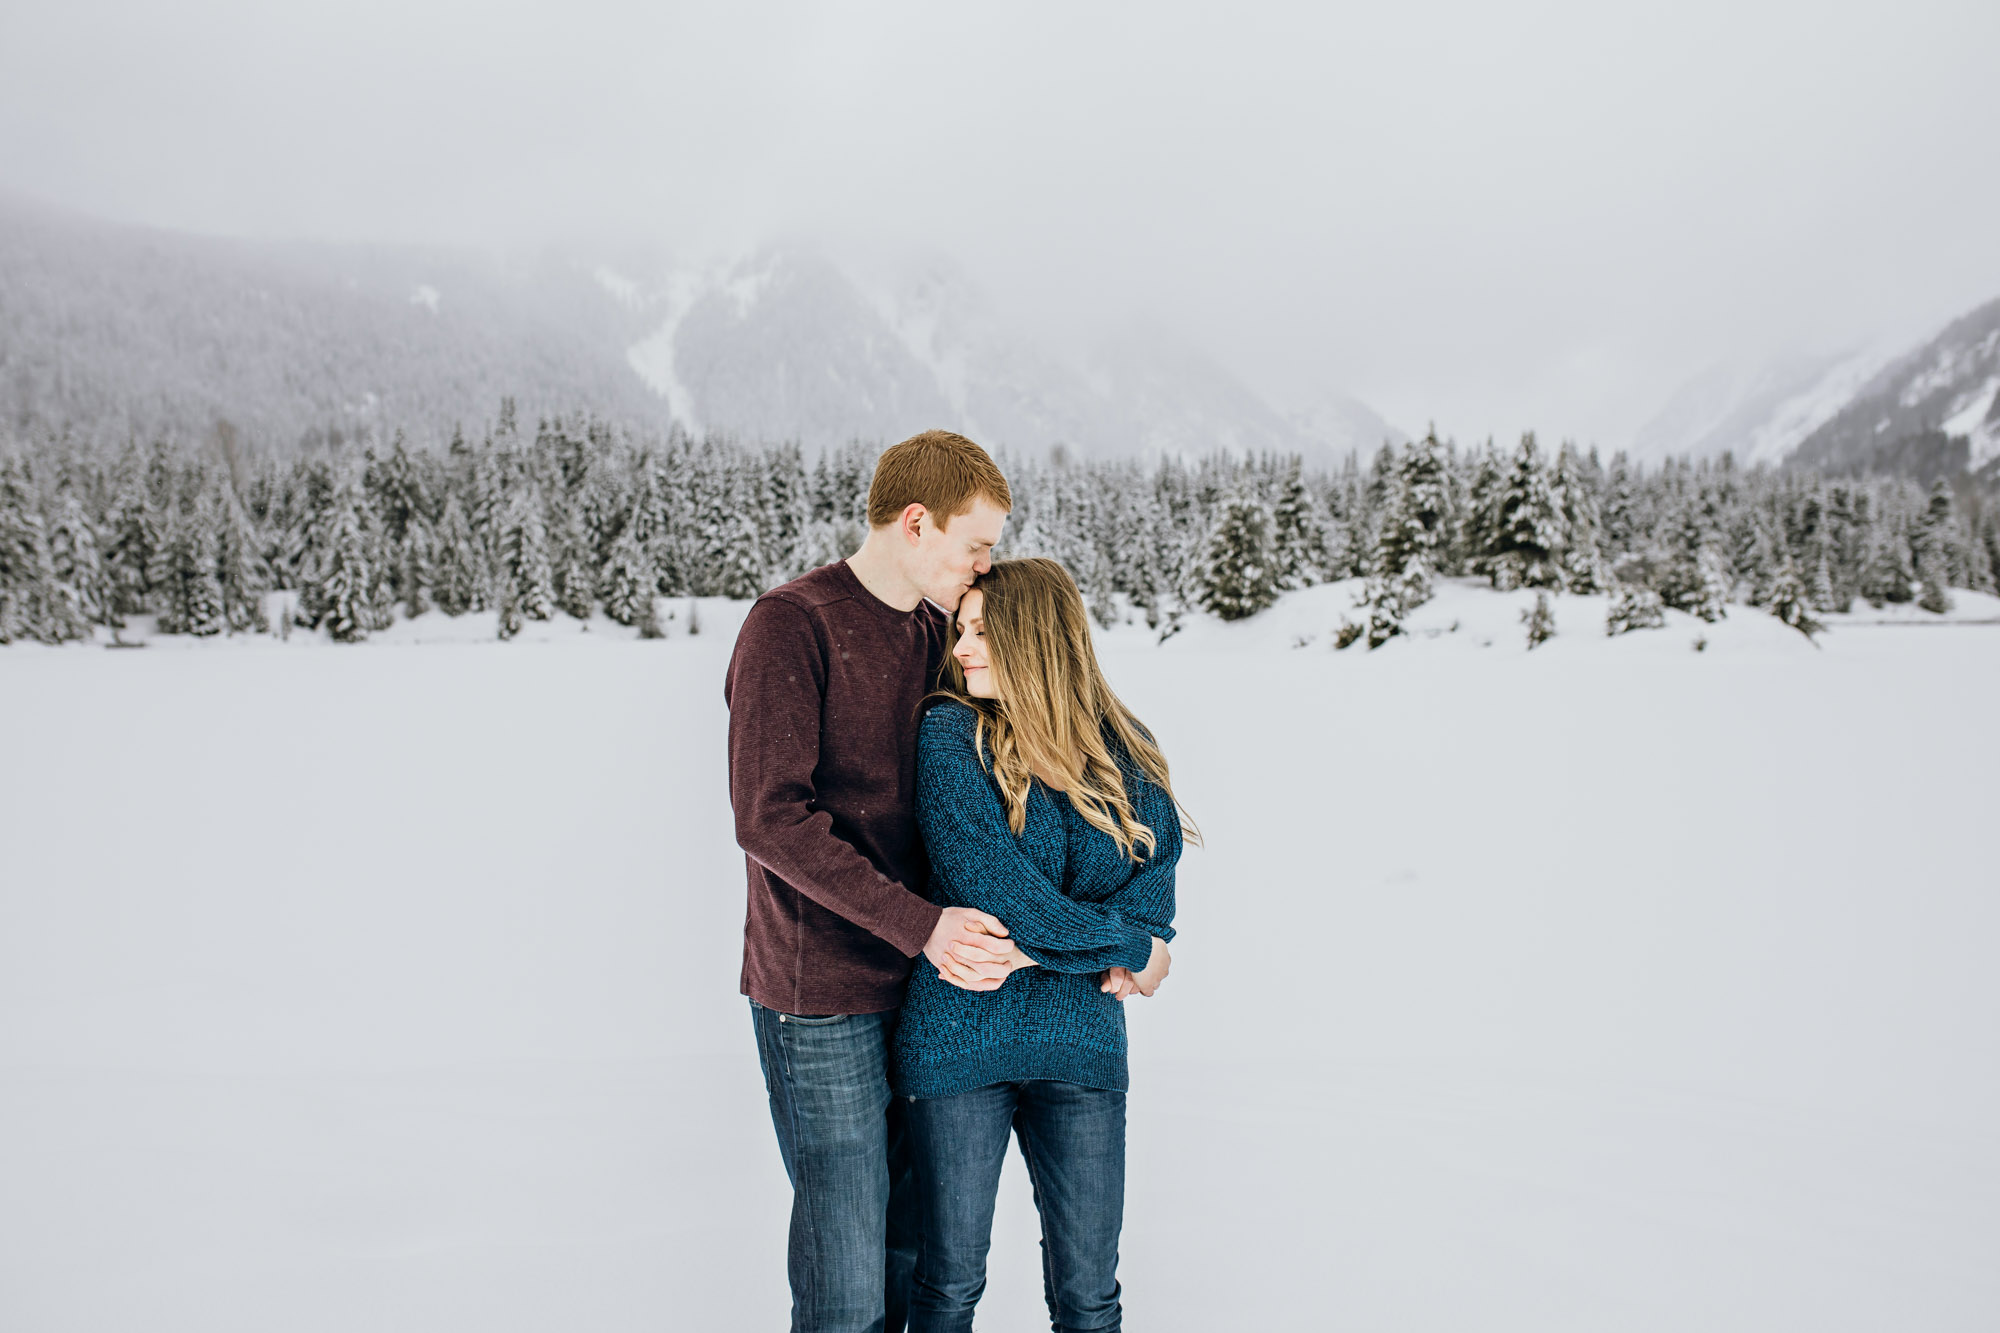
column 776, row 689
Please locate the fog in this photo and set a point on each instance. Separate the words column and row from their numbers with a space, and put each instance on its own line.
column 1494, row 217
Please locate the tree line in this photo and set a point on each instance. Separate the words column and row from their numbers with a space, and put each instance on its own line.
column 580, row 516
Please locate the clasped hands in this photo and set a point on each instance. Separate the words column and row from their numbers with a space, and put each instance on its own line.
column 970, row 949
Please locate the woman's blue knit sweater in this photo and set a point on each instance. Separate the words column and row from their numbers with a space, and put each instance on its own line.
column 1071, row 901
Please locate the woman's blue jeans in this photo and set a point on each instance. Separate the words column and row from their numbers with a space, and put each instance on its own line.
column 1073, row 1140
column 845, row 1148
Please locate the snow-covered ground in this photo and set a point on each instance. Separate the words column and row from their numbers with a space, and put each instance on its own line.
column 1608, row 986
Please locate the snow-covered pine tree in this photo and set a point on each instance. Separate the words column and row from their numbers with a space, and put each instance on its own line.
column 32, row 602
column 1762, row 557
column 457, row 581
column 732, row 558
column 1576, row 485
column 1931, row 544
column 1691, row 574
column 628, row 581
column 416, row 580
column 134, row 531
column 192, row 601
column 239, row 576
column 1479, row 517
column 1989, row 541
column 1984, row 552
column 1387, row 599
column 337, row 594
column 788, row 512
column 1237, row 578
column 1410, row 542
column 576, row 572
column 1633, row 606
column 527, row 581
column 1540, row 620
column 1888, row 576
column 1620, row 527
column 73, row 556
column 1529, row 539
column 1298, row 536
column 1787, row 600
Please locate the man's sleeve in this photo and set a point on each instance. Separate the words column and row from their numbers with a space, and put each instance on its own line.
column 776, row 691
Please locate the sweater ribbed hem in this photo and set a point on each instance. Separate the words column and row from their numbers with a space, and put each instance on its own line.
column 1012, row 1064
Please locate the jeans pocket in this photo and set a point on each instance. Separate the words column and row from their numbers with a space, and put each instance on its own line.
column 812, row 1020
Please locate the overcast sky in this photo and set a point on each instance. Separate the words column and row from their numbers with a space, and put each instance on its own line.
column 1496, row 215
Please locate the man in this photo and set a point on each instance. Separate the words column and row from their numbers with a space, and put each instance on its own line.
column 823, row 691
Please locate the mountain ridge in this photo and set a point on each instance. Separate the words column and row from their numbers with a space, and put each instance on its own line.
column 112, row 330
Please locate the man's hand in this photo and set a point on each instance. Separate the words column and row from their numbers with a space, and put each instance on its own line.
column 1120, row 982
column 970, row 950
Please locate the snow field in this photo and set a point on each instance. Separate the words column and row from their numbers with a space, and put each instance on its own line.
column 1608, row 985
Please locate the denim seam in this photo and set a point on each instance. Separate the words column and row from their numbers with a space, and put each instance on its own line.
column 1049, row 1284
column 802, row 1187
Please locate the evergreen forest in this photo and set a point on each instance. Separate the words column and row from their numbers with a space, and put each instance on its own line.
column 578, row 516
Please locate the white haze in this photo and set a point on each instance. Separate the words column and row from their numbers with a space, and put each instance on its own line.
column 1542, row 215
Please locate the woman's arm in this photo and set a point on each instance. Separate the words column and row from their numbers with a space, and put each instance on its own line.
column 979, row 860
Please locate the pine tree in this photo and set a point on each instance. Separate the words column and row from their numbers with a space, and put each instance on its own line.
column 526, row 580
column 1633, row 606
column 337, row 596
column 1691, row 574
column 1576, row 493
column 575, row 572
column 731, row 557
column 1787, row 601
column 1540, row 620
column 74, row 559
column 1298, row 536
column 1529, row 539
column 238, row 577
column 1388, row 599
column 1620, row 527
column 133, row 531
column 417, row 577
column 1932, row 546
column 1410, row 543
column 1237, row 578
column 456, row 578
column 32, row 602
column 1888, row 575
column 788, row 513
column 628, row 581
column 194, row 590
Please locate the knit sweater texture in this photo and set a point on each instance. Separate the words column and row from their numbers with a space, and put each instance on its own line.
column 1070, row 900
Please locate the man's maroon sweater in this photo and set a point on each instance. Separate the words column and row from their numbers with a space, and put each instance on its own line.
column 823, row 691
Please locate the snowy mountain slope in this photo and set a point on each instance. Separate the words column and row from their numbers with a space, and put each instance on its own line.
column 786, row 342
column 117, row 330
column 1936, row 409
column 1759, row 412
column 1929, row 411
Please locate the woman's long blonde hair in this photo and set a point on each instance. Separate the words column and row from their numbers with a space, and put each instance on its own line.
column 1053, row 706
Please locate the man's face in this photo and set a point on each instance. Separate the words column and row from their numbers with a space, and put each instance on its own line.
column 947, row 560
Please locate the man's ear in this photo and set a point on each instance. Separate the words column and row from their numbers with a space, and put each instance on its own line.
column 915, row 519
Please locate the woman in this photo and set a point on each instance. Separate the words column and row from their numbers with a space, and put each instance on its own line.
column 1043, row 801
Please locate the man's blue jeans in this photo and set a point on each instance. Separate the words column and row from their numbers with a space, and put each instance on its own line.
column 847, row 1153
column 1073, row 1139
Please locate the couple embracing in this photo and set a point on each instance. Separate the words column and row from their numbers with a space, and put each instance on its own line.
column 927, row 767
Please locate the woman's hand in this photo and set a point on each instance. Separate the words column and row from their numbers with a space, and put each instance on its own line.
column 1120, row 982
column 993, row 966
